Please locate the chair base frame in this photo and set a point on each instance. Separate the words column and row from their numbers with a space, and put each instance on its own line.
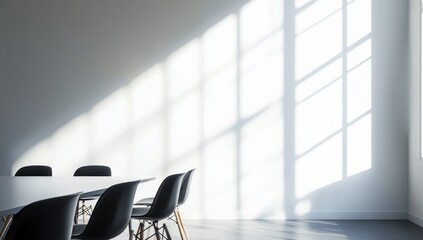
column 164, row 234
column 176, row 217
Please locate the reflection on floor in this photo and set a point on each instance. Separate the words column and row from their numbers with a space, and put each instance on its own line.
column 293, row 230
column 303, row 230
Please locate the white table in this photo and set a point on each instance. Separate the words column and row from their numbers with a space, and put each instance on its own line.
column 17, row 192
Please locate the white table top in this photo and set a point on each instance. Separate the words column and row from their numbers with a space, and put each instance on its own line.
column 16, row 192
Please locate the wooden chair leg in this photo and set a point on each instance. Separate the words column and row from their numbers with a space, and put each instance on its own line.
column 142, row 230
column 180, row 222
column 7, row 222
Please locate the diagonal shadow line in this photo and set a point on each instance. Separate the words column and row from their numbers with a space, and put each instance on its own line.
column 319, row 143
column 332, row 82
column 318, row 91
column 260, row 41
column 268, row 56
column 318, row 22
column 359, row 64
column 333, row 59
column 333, row 134
column 239, row 124
column 305, row 6
column 361, row 116
column 321, row 67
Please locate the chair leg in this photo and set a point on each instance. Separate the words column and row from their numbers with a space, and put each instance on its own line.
column 181, row 225
column 141, row 230
column 178, row 223
column 156, row 230
column 167, row 232
column 83, row 211
column 130, row 230
column 75, row 219
column 7, row 222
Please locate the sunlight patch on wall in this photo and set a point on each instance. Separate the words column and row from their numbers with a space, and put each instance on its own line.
column 183, row 69
column 147, row 93
column 318, row 43
column 259, row 19
column 109, row 119
column 333, row 92
column 220, row 185
column 261, row 74
column 359, row 19
column 302, row 207
column 184, row 126
column 219, row 87
column 71, row 145
column 315, row 13
column 261, row 166
column 359, row 155
column 216, row 104
column 148, row 147
column 318, row 117
column 220, row 45
column 320, row 167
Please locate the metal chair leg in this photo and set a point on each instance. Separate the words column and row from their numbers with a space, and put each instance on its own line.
column 167, row 231
column 130, row 230
column 156, row 230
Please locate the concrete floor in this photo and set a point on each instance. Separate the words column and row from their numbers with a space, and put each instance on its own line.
column 303, row 230
column 293, row 230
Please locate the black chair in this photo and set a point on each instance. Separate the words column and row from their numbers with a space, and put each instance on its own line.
column 183, row 196
column 111, row 215
column 30, row 171
column 35, row 170
column 89, row 171
column 163, row 205
column 35, row 220
column 93, row 171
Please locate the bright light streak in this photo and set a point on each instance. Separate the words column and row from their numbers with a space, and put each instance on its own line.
column 319, row 168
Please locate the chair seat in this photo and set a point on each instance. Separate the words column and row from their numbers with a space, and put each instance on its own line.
column 78, row 229
column 145, row 201
column 139, row 211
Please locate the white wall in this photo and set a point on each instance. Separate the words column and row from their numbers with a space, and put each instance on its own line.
column 415, row 206
column 287, row 109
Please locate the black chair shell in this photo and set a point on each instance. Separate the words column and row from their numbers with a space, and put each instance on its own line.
column 185, row 187
column 166, row 199
column 112, row 213
column 35, row 170
column 183, row 194
column 93, row 171
column 46, row 219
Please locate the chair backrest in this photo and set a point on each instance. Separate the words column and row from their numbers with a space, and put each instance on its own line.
column 166, row 198
column 46, row 219
column 185, row 186
column 35, row 170
column 93, row 170
column 112, row 212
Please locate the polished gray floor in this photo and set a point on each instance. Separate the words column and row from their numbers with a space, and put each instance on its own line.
column 303, row 230
column 290, row 230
